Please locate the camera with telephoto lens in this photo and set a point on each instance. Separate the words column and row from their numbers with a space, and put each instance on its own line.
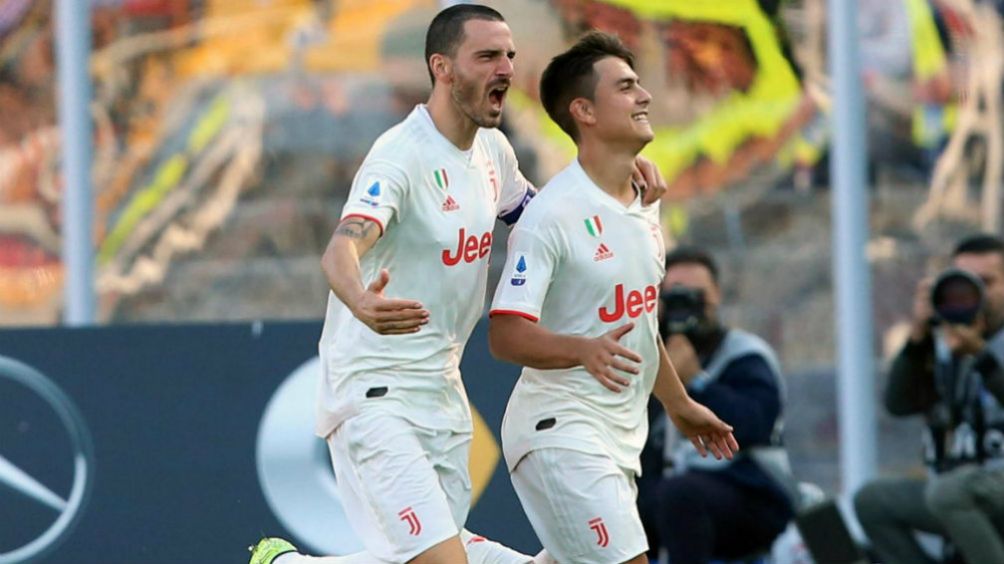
column 957, row 297
column 682, row 310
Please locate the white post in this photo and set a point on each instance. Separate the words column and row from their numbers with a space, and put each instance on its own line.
column 73, row 43
column 851, row 274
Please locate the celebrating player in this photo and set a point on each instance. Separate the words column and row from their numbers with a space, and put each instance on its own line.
column 577, row 306
column 418, row 223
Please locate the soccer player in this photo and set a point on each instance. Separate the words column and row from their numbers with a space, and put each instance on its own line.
column 577, row 306
column 418, row 223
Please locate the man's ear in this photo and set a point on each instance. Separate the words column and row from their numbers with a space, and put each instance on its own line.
column 442, row 67
column 582, row 111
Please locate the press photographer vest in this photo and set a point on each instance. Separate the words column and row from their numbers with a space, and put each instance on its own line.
column 967, row 425
column 772, row 458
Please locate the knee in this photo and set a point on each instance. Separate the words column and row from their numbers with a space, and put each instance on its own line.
column 947, row 493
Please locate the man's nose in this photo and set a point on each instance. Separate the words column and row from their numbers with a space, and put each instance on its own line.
column 505, row 68
column 646, row 97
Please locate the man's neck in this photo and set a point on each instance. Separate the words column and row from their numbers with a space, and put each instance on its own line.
column 450, row 121
column 610, row 168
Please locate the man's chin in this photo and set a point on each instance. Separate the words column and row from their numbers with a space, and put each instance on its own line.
column 490, row 120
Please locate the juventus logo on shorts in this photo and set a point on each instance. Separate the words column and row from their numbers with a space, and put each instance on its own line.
column 602, row 537
column 408, row 515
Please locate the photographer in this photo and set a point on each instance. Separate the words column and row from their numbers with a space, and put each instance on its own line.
column 951, row 371
column 704, row 509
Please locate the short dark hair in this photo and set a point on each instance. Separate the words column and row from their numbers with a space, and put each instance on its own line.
column 446, row 32
column 980, row 244
column 571, row 75
column 693, row 255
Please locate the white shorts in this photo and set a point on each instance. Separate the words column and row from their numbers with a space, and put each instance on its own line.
column 404, row 488
column 582, row 506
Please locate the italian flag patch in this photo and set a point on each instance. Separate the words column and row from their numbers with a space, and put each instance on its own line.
column 442, row 180
column 594, row 226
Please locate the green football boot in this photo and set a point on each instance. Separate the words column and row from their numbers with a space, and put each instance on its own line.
column 268, row 549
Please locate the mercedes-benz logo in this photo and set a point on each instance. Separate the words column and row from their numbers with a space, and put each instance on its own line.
column 67, row 511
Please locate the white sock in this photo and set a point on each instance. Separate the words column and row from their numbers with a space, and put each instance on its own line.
column 297, row 558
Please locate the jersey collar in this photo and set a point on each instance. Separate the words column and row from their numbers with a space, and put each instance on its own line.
column 464, row 157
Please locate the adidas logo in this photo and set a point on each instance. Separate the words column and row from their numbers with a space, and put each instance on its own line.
column 603, row 253
column 450, row 204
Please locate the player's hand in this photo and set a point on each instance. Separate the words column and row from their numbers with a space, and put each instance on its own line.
column 604, row 355
column 704, row 429
column 648, row 178
column 388, row 316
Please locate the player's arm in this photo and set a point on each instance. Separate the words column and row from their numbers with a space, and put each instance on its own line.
column 353, row 237
column 514, row 338
column 535, row 252
column 514, row 190
column 517, row 191
column 695, row 421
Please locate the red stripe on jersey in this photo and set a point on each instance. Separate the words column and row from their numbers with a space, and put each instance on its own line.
column 369, row 217
column 524, row 315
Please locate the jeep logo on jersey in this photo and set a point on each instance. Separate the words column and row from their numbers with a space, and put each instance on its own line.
column 469, row 248
column 519, row 277
column 633, row 304
column 372, row 196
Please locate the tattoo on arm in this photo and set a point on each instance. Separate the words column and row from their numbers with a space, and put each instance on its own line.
column 355, row 228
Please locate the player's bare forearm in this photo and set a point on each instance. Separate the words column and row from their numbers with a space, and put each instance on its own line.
column 705, row 430
column 384, row 315
column 353, row 237
column 668, row 388
column 518, row 340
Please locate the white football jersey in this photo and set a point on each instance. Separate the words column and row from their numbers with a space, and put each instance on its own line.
column 581, row 263
column 436, row 205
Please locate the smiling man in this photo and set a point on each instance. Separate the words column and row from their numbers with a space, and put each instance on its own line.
column 577, row 306
column 417, row 229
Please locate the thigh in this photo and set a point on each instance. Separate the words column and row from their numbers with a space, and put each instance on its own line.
column 451, row 460
column 896, row 501
column 389, row 487
column 582, row 506
column 987, row 488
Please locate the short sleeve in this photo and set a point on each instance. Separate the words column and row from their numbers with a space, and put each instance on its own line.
column 378, row 192
column 530, row 264
column 516, row 190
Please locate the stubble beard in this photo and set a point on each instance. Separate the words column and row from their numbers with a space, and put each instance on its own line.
column 464, row 94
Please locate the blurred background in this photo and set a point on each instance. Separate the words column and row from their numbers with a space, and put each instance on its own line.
column 226, row 134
